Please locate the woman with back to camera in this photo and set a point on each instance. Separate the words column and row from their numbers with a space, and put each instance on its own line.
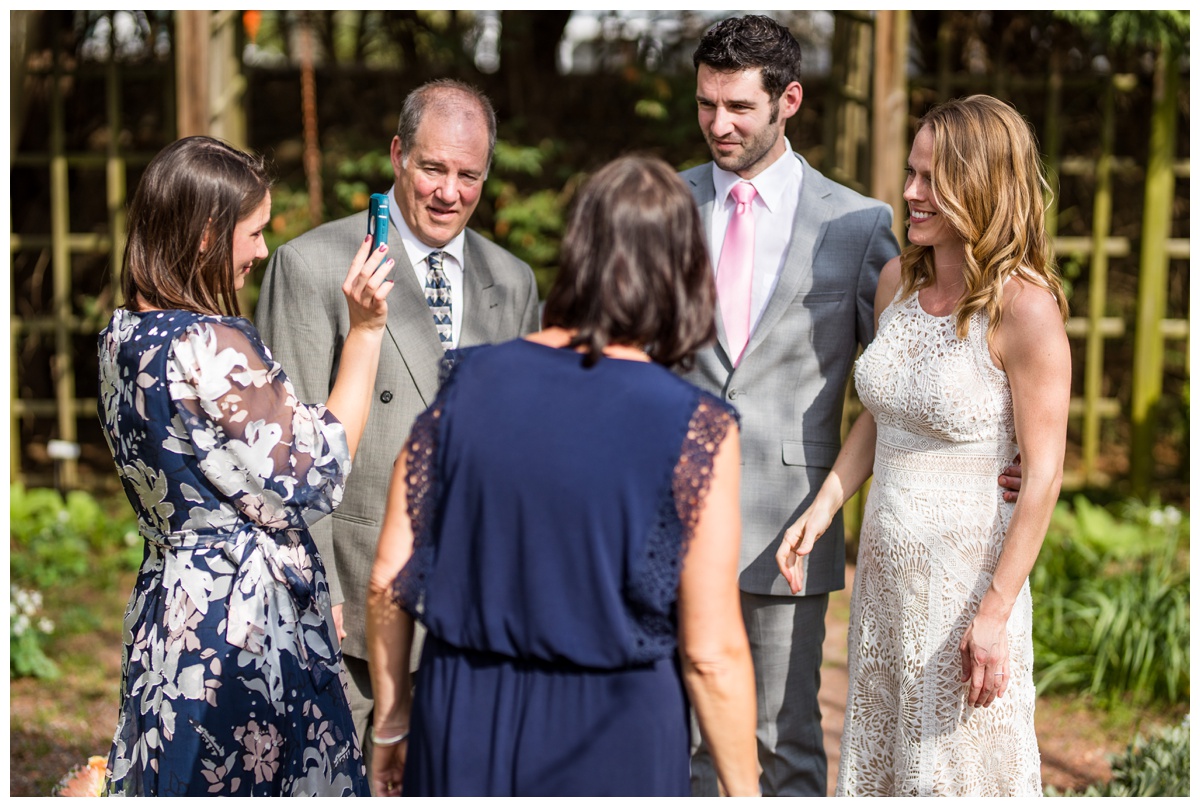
column 564, row 521
column 970, row 357
column 232, row 683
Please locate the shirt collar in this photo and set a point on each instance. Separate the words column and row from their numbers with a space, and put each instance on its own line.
column 770, row 183
column 416, row 249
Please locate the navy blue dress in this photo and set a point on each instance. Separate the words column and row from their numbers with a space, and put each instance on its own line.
column 551, row 507
column 231, row 681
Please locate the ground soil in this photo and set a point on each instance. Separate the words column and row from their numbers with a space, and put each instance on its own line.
column 57, row 725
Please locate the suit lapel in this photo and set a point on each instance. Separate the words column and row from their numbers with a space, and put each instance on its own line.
column 482, row 310
column 812, row 217
column 410, row 326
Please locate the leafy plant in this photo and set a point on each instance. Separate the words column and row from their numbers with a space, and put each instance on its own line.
column 1111, row 603
column 1160, row 766
column 56, row 540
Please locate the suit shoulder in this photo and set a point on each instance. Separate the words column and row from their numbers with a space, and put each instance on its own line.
column 694, row 175
column 841, row 195
column 336, row 232
column 495, row 256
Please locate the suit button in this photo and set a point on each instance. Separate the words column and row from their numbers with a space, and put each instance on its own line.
column 733, row 394
column 386, row 396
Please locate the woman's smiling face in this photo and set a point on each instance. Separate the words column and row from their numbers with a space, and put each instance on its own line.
column 926, row 226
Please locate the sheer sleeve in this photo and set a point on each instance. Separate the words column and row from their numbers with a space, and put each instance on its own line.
column 280, row 462
column 709, row 425
column 653, row 592
column 420, row 477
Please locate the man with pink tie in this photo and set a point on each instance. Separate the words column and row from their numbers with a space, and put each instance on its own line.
column 798, row 257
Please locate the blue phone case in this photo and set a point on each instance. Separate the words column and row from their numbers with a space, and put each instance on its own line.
column 377, row 222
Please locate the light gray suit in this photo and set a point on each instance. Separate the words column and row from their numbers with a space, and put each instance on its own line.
column 789, row 388
column 303, row 318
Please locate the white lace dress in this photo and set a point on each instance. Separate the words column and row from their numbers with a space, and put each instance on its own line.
column 932, row 533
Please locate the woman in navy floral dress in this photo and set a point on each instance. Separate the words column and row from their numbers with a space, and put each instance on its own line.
column 232, row 683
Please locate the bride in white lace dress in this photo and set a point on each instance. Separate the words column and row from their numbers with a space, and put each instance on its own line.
column 970, row 365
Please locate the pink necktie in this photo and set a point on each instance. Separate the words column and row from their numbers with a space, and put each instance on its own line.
column 735, row 271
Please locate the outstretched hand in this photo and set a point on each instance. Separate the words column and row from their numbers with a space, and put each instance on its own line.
column 367, row 285
column 798, row 541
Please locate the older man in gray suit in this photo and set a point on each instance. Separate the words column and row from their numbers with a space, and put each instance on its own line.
column 797, row 259
column 453, row 288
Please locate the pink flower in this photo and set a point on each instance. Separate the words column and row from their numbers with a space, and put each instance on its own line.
column 263, row 750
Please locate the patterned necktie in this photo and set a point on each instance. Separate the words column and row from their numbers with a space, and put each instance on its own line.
column 735, row 271
column 437, row 295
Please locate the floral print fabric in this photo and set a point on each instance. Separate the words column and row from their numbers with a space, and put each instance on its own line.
column 231, row 681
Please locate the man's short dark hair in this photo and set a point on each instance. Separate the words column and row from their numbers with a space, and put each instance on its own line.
column 753, row 41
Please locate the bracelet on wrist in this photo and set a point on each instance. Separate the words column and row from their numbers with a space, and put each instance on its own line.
column 384, row 741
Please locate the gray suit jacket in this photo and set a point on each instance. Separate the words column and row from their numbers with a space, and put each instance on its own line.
column 303, row 318
column 791, row 382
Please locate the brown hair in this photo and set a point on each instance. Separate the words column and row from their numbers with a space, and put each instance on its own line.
column 193, row 188
column 754, row 41
column 989, row 185
column 635, row 268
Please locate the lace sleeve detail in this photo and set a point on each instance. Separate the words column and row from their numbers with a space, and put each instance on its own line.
column 653, row 594
column 420, row 474
column 408, row 589
column 710, row 423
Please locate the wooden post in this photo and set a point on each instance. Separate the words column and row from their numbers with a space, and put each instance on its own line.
column 63, row 364
column 308, row 105
column 114, row 165
column 192, row 38
column 1152, row 283
column 1093, row 368
column 889, row 132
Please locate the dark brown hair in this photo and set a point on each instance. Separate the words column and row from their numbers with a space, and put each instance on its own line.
column 196, row 186
column 635, row 268
column 750, row 42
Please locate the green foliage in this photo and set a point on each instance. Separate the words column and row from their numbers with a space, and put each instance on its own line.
column 56, row 540
column 1111, row 603
column 1133, row 29
column 26, row 633
column 1160, row 766
column 528, row 223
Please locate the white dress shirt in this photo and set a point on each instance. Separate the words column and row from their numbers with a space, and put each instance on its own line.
column 418, row 255
column 774, row 209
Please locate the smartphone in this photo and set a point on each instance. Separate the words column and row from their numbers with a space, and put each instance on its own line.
column 377, row 221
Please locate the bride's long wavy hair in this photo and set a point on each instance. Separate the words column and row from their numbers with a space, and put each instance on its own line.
column 989, row 185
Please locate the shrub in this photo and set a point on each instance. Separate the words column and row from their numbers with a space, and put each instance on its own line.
column 1111, row 603
column 56, row 540
column 1160, row 766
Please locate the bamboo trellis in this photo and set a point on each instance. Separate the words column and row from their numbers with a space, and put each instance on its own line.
column 63, row 323
column 854, row 152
